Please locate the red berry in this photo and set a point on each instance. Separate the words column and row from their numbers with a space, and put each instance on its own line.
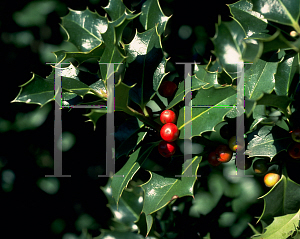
column 224, row 153
column 167, row 88
column 166, row 149
column 296, row 135
column 294, row 151
column 168, row 116
column 169, row 132
column 212, row 159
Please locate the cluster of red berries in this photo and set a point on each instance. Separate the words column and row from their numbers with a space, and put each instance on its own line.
column 169, row 133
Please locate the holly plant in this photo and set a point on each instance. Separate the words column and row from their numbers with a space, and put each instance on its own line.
column 178, row 142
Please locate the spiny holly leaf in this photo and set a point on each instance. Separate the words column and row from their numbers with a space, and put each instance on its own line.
column 95, row 114
column 152, row 15
column 121, row 23
column 285, row 73
column 204, row 75
column 146, row 66
column 122, row 95
column 162, row 189
column 111, row 53
column 80, row 57
column 228, row 43
column 259, row 78
column 285, row 12
column 268, row 141
column 84, row 29
column 116, row 9
column 282, row 227
column 209, row 108
column 282, row 199
column 129, row 169
column 253, row 23
column 39, row 90
column 130, row 205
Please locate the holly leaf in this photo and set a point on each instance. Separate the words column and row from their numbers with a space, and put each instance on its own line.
column 39, row 90
column 94, row 115
column 254, row 24
column 259, row 78
column 229, row 46
column 80, row 57
column 282, row 199
column 146, row 66
column 285, row 73
column 161, row 189
column 209, row 108
column 125, row 174
column 285, row 12
column 84, row 29
column 111, row 52
column 152, row 15
column 267, row 141
column 282, row 227
column 115, row 9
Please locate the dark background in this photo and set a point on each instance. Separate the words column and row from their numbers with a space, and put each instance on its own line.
column 40, row 207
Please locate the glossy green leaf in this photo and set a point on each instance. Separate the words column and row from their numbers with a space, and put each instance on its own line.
column 228, row 43
column 116, row 9
column 282, row 199
column 259, row 79
column 95, row 114
column 268, row 141
column 39, row 90
column 125, row 174
column 161, row 189
column 152, row 15
column 285, row 73
column 84, row 29
column 146, row 66
column 80, row 57
column 253, row 23
column 111, row 53
column 282, row 227
column 285, row 12
column 122, row 95
column 209, row 108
